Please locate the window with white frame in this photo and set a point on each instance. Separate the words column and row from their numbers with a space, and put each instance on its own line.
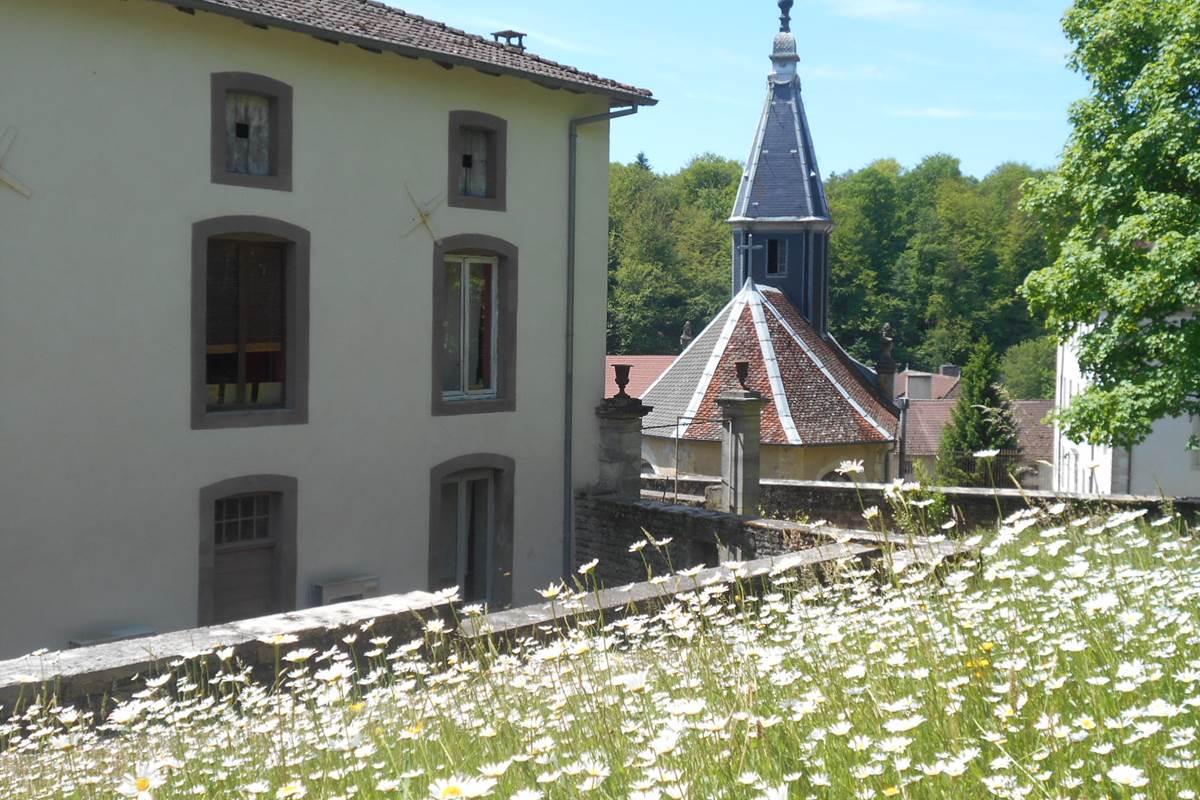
column 470, row 327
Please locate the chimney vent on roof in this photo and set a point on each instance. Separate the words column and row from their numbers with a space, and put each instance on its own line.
column 951, row 371
column 514, row 39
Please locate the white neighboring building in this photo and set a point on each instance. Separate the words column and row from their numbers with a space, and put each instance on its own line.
column 1162, row 464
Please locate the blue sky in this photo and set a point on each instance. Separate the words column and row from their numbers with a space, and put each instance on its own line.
column 984, row 80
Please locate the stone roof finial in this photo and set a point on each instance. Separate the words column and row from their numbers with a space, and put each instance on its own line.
column 785, row 16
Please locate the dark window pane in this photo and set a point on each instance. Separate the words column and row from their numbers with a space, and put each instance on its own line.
column 247, row 530
column 262, row 528
column 445, row 573
column 221, row 336
column 774, row 256
column 263, row 298
column 479, row 311
column 245, row 353
column 478, row 507
column 452, row 329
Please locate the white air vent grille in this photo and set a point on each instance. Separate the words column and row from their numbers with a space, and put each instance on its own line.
column 346, row 590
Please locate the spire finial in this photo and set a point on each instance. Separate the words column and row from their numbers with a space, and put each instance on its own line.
column 785, row 16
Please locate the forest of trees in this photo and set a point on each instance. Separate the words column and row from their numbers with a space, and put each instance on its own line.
column 936, row 253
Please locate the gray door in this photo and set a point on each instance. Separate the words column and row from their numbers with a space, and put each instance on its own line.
column 244, row 557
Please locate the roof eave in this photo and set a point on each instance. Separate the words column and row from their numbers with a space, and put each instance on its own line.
column 743, row 220
column 619, row 97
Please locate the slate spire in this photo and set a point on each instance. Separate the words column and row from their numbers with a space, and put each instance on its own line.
column 781, row 220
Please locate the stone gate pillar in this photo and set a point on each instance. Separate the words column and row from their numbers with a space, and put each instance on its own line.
column 741, row 409
column 621, row 439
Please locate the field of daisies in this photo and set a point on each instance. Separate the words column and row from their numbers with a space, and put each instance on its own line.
column 1064, row 662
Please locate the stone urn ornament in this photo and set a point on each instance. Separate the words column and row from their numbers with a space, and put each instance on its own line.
column 743, row 373
column 622, row 375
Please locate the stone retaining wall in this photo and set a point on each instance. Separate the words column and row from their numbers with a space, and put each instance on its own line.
column 607, row 525
column 841, row 504
column 91, row 677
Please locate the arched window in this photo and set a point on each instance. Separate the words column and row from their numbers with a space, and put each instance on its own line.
column 471, row 528
column 478, row 161
column 247, row 548
column 251, row 131
column 474, row 325
column 249, row 323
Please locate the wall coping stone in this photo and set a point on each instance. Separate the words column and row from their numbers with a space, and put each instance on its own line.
column 84, row 676
column 633, row 597
column 89, row 672
column 966, row 491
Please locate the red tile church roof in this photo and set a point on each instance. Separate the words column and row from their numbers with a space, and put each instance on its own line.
column 816, row 394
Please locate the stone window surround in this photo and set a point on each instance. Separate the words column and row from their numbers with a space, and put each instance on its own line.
column 296, row 311
column 284, row 495
column 497, row 165
column 506, row 322
column 280, row 95
column 504, row 469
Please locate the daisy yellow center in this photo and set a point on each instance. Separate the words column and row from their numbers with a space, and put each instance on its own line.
column 452, row 791
column 143, row 784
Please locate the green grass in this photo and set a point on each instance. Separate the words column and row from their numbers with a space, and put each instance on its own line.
column 1065, row 663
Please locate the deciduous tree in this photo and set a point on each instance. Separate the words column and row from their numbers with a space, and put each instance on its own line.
column 1125, row 202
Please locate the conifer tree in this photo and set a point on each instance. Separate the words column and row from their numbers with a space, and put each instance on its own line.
column 982, row 423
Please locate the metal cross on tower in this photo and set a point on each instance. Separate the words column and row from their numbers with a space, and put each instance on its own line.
column 746, row 250
column 7, row 178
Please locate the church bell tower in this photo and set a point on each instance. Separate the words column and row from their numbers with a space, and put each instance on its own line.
column 781, row 221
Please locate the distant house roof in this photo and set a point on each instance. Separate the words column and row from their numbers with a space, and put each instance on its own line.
column 816, row 394
column 646, row 370
column 928, row 418
column 1037, row 436
column 376, row 26
column 945, row 387
column 782, row 181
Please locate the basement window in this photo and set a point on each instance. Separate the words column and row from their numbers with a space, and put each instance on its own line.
column 477, row 159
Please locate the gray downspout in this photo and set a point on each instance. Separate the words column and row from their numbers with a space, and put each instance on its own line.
column 903, row 436
column 569, row 369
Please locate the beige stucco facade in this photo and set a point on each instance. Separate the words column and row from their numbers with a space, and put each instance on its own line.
column 101, row 471
column 784, row 462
